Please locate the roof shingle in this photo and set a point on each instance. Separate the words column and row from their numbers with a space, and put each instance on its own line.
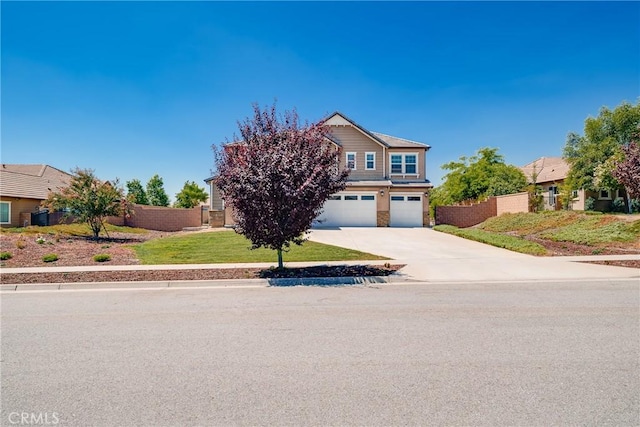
column 31, row 181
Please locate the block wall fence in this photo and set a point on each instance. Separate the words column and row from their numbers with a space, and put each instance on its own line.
column 470, row 215
column 161, row 218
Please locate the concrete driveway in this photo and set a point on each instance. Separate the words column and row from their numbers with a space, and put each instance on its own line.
column 434, row 256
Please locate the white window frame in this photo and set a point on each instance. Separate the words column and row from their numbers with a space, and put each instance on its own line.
column 366, row 160
column 553, row 192
column 9, row 214
column 355, row 162
column 403, row 156
column 607, row 197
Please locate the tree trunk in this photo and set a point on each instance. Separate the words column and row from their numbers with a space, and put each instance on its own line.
column 280, row 266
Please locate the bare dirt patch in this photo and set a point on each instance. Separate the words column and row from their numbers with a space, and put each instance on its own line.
column 574, row 249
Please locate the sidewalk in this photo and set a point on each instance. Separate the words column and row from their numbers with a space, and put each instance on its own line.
column 436, row 271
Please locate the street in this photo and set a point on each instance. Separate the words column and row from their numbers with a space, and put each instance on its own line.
column 521, row 353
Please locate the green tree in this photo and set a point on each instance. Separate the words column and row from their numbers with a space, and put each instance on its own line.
column 593, row 156
column 136, row 193
column 536, row 200
column 190, row 195
column 88, row 200
column 478, row 177
column 156, row 193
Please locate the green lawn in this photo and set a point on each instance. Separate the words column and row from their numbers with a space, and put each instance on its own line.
column 499, row 240
column 509, row 230
column 230, row 247
column 567, row 226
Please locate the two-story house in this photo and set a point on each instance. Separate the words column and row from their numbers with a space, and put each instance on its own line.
column 387, row 185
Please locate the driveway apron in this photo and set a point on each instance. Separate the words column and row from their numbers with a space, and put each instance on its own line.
column 434, row 256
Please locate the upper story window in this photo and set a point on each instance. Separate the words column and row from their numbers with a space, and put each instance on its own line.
column 351, row 161
column 370, row 161
column 5, row 212
column 404, row 164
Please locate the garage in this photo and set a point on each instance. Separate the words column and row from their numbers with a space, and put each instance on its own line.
column 405, row 210
column 349, row 210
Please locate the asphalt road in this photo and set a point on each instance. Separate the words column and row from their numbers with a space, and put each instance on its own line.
column 543, row 353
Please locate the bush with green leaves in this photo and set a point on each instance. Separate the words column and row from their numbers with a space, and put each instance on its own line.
column 5, row 256
column 590, row 204
column 102, row 257
column 90, row 200
column 618, row 205
column 635, row 205
column 50, row 257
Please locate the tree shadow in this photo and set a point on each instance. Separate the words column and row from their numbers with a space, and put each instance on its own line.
column 325, row 275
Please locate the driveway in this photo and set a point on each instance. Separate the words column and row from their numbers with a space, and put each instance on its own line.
column 434, row 256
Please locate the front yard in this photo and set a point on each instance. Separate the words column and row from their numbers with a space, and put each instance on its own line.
column 559, row 233
column 72, row 246
column 126, row 246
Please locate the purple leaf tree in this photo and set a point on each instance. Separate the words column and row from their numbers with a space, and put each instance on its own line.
column 277, row 176
column 627, row 172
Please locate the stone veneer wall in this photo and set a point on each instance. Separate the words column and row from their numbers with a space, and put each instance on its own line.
column 383, row 218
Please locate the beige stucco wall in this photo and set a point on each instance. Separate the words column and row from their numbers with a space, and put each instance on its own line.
column 18, row 206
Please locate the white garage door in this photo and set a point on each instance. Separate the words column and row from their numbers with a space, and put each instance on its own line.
column 349, row 210
column 405, row 211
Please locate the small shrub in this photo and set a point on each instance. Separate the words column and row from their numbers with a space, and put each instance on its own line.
column 50, row 257
column 618, row 205
column 590, row 204
column 5, row 256
column 41, row 240
column 102, row 257
column 635, row 205
column 21, row 244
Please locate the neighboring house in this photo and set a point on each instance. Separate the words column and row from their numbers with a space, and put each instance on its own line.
column 387, row 185
column 551, row 172
column 23, row 188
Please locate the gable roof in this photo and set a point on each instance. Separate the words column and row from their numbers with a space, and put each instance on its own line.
column 388, row 141
column 31, row 181
column 549, row 169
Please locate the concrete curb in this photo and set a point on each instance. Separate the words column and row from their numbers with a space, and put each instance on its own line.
column 223, row 283
column 145, row 267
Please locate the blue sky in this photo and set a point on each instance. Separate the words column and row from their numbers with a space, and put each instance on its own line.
column 133, row 89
